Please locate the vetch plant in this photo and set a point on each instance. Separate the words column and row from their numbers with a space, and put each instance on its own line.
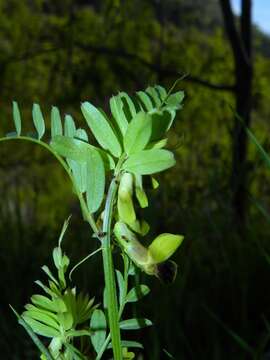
column 109, row 181
column 61, row 315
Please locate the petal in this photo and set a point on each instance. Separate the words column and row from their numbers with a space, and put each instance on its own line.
column 164, row 246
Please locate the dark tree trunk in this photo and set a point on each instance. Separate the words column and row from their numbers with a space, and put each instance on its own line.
column 240, row 42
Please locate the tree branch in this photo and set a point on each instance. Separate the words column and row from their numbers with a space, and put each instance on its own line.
column 120, row 53
column 246, row 28
column 232, row 33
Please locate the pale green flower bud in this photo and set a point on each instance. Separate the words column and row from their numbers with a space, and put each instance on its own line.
column 140, row 227
column 130, row 244
column 125, row 203
column 140, row 193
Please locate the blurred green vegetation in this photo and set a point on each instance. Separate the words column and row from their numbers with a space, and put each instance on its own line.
column 61, row 53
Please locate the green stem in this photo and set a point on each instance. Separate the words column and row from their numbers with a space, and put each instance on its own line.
column 121, row 309
column 109, row 273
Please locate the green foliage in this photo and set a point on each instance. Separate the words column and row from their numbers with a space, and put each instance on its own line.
column 43, row 350
column 137, row 293
column 95, row 182
column 134, row 324
column 58, row 314
column 98, row 326
column 17, row 118
column 56, row 124
column 61, row 314
column 138, row 133
column 117, row 110
column 51, row 52
column 152, row 260
column 101, row 129
column 148, row 162
column 38, row 120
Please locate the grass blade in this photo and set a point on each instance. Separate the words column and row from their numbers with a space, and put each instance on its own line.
column 241, row 342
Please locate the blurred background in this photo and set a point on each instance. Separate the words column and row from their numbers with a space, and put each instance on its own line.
column 63, row 52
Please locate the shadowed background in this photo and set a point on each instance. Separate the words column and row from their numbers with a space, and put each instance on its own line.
column 61, row 53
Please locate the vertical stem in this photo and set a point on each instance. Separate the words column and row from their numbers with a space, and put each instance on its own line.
column 121, row 308
column 109, row 273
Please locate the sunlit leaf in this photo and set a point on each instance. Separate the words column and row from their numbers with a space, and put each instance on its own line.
column 129, row 107
column 73, row 149
column 174, row 100
column 70, row 128
column 138, row 133
column 40, row 328
column 56, row 124
column 137, row 293
column 101, row 129
column 17, row 118
column 43, row 317
column 117, row 111
column 48, row 272
column 79, row 171
column 145, row 100
column 157, row 144
column 78, row 333
column 162, row 92
column 33, row 336
column 134, row 324
column 98, row 327
column 154, row 94
column 38, row 120
column 149, row 161
column 155, row 183
column 129, row 344
column 121, row 287
column 95, row 185
column 81, row 134
column 43, row 302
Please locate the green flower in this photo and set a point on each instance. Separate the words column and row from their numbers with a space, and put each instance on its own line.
column 154, row 259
